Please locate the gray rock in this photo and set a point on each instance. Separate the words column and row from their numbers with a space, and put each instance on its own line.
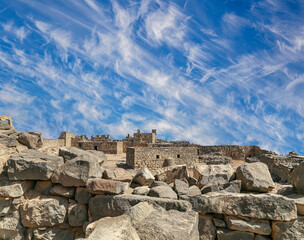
column 33, row 140
column 192, row 181
column 10, row 227
column 162, row 192
column 144, row 177
column 255, row 177
column 225, row 234
column 77, row 214
column 158, row 183
column 52, row 234
column 45, row 212
column 297, row 179
column 233, row 186
column 60, row 190
column 169, row 174
column 106, row 186
column 8, row 141
column 288, row 230
column 117, row 174
column 110, row 206
column 6, row 206
column 77, row 172
column 260, row 237
column 43, row 187
column 181, row 187
column 261, row 206
column 210, row 188
column 32, row 165
column 194, row 191
column 82, row 196
column 14, row 189
column 143, row 190
column 258, row 226
column 219, row 223
column 206, row 228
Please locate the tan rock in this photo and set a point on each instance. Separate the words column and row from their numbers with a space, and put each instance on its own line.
column 10, row 227
column 105, row 186
column 144, row 177
column 43, row 187
column 297, row 179
column 206, row 227
column 63, row 191
column 6, row 206
column 14, row 189
column 169, row 174
column 117, row 174
column 225, row 234
column 288, row 230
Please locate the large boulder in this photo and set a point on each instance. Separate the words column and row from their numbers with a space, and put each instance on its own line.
column 288, row 230
column 114, row 205
column 114, row 228
column 32, row 165
column 106, row 186
column 155, row 222
column 10, row 227
column 117, row 174
column 297, row 179
column 14, row 189
column 215, row 174
column 261, row 206
column 169, row 174
column 8, row 141
column 77, row 172
column 33, row 140
column 255, row 177
column 44, row 212
column 143, row 177
column 162, row 192
column 181, row 187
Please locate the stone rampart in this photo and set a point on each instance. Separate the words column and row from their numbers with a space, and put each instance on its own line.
column 106, row 147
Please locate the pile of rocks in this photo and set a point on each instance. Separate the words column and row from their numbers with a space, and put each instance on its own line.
column 214, row 158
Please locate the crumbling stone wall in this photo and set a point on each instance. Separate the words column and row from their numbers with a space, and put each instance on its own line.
column 53, row 143
column 68, row 138
column 153, row 157
column 115, row 147
column 139, row 139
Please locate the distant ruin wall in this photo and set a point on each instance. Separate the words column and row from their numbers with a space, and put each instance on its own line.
column 106, row 147
column 53, row 143
column 154, row 157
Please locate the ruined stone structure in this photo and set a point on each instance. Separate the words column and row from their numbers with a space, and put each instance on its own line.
column 8, row 119
column 139, row 139
column 113, row 147
column 154, row 156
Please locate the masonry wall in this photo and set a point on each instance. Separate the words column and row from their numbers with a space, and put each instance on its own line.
column 153, row 157
column 106, row 147
column 234, row 151
column 53, row 143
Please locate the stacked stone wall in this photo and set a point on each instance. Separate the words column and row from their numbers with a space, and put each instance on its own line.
column 106, row 147
column 53, row 143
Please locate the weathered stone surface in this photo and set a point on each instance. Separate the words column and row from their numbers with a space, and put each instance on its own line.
column 288, row 230
column 52, row 234
column 210, row 188
column 32, row 165
column 158, row 183
column 206, row 228
column 106, row 186
column 43, row 187
column 162, row 192
column 225, row 234
column 258, row 226
column 4, row 125
column 255, row 177
column 194, row 191
column 10, row 227
column 14, row 189
column 181, row 187
column 8, row 141
column 216, row 174
column 299, row 200
column 6, row 206
column 82, row 196
column 297, row 179
column 77, row 172
column 233, row 186
column 155, row 222
column 114, row 228
column 143, row 190
column 45, row 212
column 62, row 191
column 69, row 153
column 169, row 174
column 110, row 206
column 32, row 140
column 219, row 223
column 261, row 206
column 144, row 177
column 117, row 174
column 77, row 214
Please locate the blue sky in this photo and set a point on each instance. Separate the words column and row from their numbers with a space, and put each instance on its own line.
column 211, row 72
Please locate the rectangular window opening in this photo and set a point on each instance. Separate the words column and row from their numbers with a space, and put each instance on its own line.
column 178, row 155
column 157, row 156
column 95, row 148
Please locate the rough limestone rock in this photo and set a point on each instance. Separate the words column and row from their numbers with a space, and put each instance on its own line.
column 14, row 189
column 33, row 140
column 77, row 214
column 105, row 186
column 32, row 165
column 60, row 190
column 181, row 187
column 258, row 226
column 261, row 206
column 288, row 230
column 77, row 172
column 206, row 228
column 110, row 206
column 8, row 141
column 158, row 183
column 69, row 153
column 144, row 177
column 255, row 177
column 143, row 190
column 169, row 174
column 45, row 212
column 157, row 223
column 216, row 174
column 162, row 192
column 297, row 179
column 219, row 223
column 6, row 206
column 114, row 228
column 43, row 187
column 117, row 174
column 52, row 234
column 10, row 227
column 4, row 125
column 194, row 191
column 233, row 186
column 82, row 196
column 211, row 187
column 225, row 234
column 299, row 200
